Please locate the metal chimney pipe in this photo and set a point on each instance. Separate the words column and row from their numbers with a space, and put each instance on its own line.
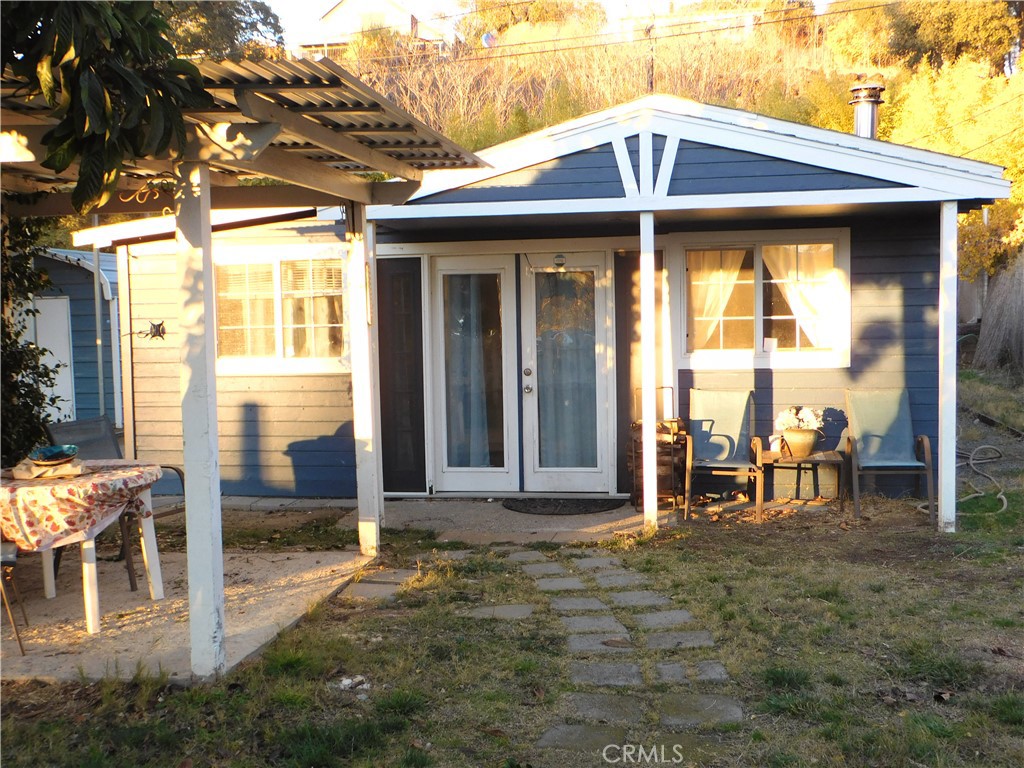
column 866, row 98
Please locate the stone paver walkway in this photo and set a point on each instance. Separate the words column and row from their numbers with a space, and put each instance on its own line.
column 611, row 617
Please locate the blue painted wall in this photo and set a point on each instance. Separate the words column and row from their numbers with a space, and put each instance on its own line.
column 77, row 284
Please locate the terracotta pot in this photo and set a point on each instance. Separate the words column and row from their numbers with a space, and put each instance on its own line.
column 800, row 441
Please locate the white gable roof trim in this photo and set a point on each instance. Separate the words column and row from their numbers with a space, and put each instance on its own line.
column 933, row 176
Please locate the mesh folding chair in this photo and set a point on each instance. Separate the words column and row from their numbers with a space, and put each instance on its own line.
column 96, row 439
column 9, row 559
column 718, row 442
column 882, row 441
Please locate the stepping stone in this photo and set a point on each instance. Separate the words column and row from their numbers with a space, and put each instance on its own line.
column 641, row 599
column 597, row 563
column 663, row 619
column 711, row 672
column 680, row 710
column 581, row 738
column 663, row 641
column 681, row 749
column 362, row 590
column 544, row 569
column 397, row 576
column 605, row 673
column 560, row 585
column 620, row 579
column 502, row 612
column 594, row 624
column 614, row 708
column 565, row 604
column 607, row 642
column 670, row 672
column 527, row 556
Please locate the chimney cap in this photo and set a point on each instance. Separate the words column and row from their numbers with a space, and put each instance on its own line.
column 870, row 93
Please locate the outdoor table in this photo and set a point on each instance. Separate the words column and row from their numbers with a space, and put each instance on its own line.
column 43, row 513
column 815, row 460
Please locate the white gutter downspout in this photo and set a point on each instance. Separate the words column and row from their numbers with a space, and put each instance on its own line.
column 98, row 308
column 946, row 454
column 649, row 371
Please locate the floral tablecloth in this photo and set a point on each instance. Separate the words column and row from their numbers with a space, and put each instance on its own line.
column 36, row 513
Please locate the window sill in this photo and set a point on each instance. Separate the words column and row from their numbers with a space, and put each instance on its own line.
column 778, row 361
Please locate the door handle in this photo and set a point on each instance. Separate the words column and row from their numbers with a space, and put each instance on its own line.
column 527, row 389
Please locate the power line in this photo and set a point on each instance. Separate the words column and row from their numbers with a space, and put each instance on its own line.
column 965, row 120
column 993, row 141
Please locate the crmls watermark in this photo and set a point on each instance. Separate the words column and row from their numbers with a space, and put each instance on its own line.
column 640, row 754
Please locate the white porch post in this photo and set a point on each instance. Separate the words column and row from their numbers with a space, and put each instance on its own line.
column 199, row 420
column 362, row 353
column 649, row 370
column 946, row 453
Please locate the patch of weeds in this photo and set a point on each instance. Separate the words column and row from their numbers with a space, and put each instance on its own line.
column 830, row 593
column 877, row 588
column 322, row 534
column 1008, row 709
column 930, row 724
column 401, row 702
column 525, row 666
column 781, row 760
column 481, row 565
column 923, row 661
column 321, row 746
column 416, row 758
column 283, row 661
column 784, row 678
column 798, row 705
column 1007, row 623
column 835, row 679
column 291, row 697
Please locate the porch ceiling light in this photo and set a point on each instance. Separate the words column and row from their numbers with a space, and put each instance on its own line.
column 559, row 260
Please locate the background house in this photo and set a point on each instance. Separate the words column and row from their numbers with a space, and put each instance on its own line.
column 66, row 325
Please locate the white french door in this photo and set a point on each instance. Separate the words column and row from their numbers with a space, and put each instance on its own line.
column 522, row 387
column 565, row 375
column 475, row 412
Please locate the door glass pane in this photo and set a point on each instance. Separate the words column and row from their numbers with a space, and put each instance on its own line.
column 566, row 388
column 474, row 396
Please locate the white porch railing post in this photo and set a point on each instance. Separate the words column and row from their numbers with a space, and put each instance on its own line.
column 946, row 454
column 362, row 353
column 649, row 368
column 197, row 321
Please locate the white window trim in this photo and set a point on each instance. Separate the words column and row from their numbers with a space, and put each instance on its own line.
column 736, row 359
column 225, row 254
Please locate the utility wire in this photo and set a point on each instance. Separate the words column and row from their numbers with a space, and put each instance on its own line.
column 966, row 119
column 1018, row 129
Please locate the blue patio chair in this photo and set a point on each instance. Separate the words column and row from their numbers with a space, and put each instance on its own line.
column 718, row 442
column 882, row 441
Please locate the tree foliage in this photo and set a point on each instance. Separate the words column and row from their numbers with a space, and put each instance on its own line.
column 942, row 31
column 223, row 30
column 26, row 378
column 112, row 79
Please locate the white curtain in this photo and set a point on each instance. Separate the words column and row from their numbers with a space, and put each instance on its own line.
column 712, row 277
column 808, row 283
column 472, row 378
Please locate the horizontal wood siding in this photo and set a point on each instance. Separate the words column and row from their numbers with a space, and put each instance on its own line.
column 894, row 285
column 702, row 169
column 592, row 173
column 279, row 435
column 77, row 284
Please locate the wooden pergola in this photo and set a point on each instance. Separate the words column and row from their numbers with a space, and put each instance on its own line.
column 318, row 129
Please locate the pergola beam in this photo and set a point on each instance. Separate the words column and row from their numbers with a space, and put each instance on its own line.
column 320, row 135
column 278, row 164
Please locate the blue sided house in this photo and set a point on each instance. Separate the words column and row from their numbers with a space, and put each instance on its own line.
column 655, row 247
column 76, row 336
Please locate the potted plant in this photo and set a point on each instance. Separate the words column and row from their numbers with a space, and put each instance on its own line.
column 800, row 427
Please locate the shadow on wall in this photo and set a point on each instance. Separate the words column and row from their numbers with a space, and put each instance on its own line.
column 325, row 465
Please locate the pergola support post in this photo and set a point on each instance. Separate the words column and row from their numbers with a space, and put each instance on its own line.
column 649, row 370
column 363, row 356
column 946, row 454
column 199, row 420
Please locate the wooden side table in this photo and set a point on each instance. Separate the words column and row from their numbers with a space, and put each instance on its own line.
column 815, row 460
